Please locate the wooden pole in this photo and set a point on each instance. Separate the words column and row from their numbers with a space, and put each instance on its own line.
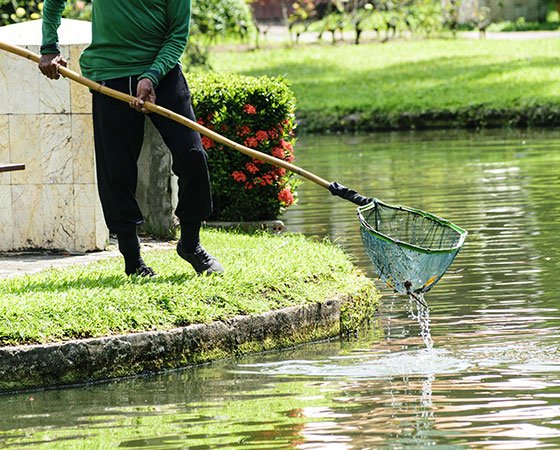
column 67, row 73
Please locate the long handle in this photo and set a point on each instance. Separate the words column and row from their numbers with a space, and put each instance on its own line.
column 171, row 115
column 334, row 188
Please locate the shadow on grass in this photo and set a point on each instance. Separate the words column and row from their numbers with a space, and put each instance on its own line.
column 436, row 82
column 92, row 282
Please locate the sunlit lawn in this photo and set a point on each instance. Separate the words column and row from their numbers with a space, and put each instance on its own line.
column 263, row 273
column 410, row 76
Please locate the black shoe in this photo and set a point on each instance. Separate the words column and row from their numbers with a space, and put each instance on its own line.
column 201, row 260
column 144, row 271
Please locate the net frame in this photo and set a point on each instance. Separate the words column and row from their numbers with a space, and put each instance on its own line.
column 404, row 266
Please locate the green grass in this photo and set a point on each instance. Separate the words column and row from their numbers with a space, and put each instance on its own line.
column 410, row 77
column 262, row 273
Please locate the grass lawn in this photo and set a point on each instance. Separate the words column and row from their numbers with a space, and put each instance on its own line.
column 263, row 273
column 410, row 77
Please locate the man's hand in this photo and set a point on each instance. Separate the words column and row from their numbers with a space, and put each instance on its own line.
column 49, row 65
column 144, row 93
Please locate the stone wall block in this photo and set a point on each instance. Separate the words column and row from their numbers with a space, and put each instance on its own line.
column 5, row 61
column 6, row 177
column 85, row 195
column 25, row 147
column 58, row 212
column 6, row 218
column 54, row 95
column 23, row 84
column 79, row 95
column 101, row 231
column 83, row 149
column 56, row 149
column 27, row 213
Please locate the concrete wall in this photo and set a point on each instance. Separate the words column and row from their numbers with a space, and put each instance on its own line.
column 531, row 10
column 47, row 125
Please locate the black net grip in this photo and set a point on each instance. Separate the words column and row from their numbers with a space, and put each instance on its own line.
column 348, row 194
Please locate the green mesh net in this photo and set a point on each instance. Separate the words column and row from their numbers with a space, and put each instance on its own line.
column 410, row 249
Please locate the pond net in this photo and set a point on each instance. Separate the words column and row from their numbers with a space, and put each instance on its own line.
column 410, row 249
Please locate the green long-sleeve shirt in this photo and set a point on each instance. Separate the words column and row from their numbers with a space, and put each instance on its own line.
column 129, row 37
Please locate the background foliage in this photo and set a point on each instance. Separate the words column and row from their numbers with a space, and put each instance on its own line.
column 387, row 18
column 213, row 20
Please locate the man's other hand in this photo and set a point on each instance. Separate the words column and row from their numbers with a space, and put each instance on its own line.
column 49, row 64
column 145, row 92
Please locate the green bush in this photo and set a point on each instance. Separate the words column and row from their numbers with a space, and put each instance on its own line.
column 213, row 20
column 258, row 113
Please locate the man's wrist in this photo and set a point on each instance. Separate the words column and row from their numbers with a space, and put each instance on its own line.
column 152, row 75
column 50, row 49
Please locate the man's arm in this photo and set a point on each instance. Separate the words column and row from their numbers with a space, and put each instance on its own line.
column 178, row 16
column 51, row 58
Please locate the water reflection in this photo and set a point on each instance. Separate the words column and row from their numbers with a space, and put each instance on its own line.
column 479, row 369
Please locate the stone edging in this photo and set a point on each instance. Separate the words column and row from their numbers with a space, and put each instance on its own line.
column 88, row 360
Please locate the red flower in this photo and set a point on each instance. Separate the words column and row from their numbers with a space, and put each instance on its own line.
column 286, row 197
column 286, row 145
column 250, row 109
column 244, row 130
column 290, row 158
column 252, row 168
column 278, row 152
column 268, row 178
column 248, row 185
column 207, row 142
column 281, row 171
column 251, row 142
column 261, row 135
column 273, row 134
column 200, row 121
column 239, row 176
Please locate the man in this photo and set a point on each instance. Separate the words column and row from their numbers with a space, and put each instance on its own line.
column 135, row 49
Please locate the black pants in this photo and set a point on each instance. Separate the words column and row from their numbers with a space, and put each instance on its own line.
column 119, row 134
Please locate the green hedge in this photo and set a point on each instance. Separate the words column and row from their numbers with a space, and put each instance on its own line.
column 258, row 113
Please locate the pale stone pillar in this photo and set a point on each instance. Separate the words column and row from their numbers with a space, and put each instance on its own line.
column 47, row 125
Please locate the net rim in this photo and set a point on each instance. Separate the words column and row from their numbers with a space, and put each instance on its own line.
column 462, row 232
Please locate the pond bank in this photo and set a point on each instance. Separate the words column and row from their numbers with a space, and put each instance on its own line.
column 471, row 117
column 89, row 360
column 89, row 322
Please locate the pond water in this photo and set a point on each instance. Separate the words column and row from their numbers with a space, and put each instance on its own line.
column 479, row 369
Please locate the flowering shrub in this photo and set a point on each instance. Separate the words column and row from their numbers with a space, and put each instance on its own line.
column 258, row 113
